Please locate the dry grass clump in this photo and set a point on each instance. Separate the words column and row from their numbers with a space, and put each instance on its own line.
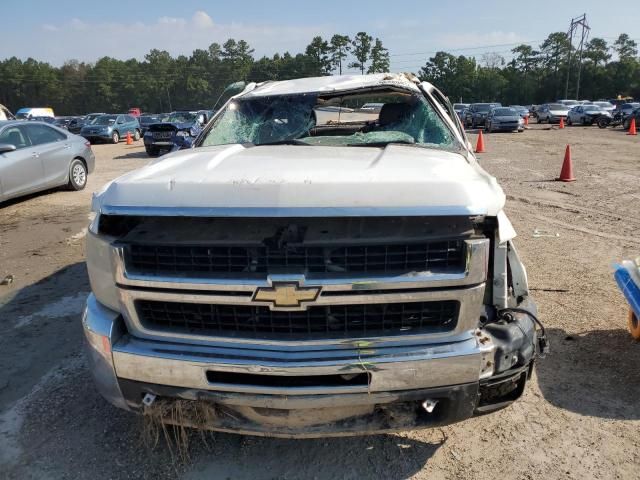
column 175, row 421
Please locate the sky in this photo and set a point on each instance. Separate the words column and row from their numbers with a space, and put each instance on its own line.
column 412, row 30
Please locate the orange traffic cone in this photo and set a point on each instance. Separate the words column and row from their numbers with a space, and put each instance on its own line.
column 561, row 123
column 632, row 127
column 526, row 120
column 566, row 174
column 129, row 140
column 480, row 144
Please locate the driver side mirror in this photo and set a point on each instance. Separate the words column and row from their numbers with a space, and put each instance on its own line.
column 7, row 147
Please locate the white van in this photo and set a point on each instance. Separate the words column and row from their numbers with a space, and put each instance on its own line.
column 27, row 113
column 5, row 113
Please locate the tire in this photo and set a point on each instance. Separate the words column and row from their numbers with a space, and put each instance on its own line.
column 602, row 123
column 136, row 135
column 115, row 137
column 152, row 152
column 569, row 122
column 626, row 124
column 634, row 325
column 77, row 175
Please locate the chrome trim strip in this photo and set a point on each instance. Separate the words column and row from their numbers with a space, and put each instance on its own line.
column 406, row 368
column 470, row 305
column 408, row 211
column 477, row 252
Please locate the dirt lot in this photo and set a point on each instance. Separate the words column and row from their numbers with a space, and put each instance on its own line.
column 579, row 419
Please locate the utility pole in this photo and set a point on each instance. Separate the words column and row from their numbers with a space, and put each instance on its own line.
column 578, row 23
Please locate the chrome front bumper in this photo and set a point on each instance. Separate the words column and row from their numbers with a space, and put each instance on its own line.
column 402, row 377
column 394, row 365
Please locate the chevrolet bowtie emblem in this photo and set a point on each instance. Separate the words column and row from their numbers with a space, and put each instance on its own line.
column 286, row 295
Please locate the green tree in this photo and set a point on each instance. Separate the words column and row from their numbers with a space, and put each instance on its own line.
column 339, row 48
column 320, row 56
column 361, row 50
column 379, row 58
column 625, row 47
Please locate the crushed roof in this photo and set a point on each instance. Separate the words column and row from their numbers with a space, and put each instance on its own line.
column 335, row 83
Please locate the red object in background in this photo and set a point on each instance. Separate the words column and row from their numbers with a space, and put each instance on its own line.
column 135, row 111
column 480, row 144
column 566, row 174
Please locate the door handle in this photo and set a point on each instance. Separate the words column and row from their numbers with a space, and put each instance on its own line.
column 35, row 155
column 67, row 146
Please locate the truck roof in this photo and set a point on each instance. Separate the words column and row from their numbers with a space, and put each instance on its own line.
column 330, row 84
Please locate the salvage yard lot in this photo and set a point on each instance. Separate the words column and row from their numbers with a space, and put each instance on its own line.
column 579, row 417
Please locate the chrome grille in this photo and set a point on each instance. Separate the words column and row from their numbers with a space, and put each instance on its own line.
column 315, row 323
column 185, row 260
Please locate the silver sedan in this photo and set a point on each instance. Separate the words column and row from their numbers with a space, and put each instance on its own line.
column 36, row 156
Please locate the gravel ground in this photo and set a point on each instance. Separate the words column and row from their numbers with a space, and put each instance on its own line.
column 579, row 418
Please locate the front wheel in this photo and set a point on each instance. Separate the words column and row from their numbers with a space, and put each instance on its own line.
column 77, row 175
column 115, row 137
column 602, row 123
column 569, row 122
column 136, row 135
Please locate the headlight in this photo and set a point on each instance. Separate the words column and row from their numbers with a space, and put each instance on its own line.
column 182, row 133
column 100, row 269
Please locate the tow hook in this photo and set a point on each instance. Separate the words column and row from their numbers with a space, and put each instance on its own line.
column 148, row 399
column 429, row 405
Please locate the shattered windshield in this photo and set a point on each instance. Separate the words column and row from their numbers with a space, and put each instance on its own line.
column 180, row 117
column 359, row 118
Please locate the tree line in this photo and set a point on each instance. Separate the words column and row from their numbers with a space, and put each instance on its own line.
column 544, row 74
column 161, row 82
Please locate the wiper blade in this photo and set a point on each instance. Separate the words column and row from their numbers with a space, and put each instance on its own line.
column 381, row 144
column 291, row 141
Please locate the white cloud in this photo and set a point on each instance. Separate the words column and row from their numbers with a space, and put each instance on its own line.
column 202, row 20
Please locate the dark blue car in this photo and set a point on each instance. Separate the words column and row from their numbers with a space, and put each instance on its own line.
column 176, row 131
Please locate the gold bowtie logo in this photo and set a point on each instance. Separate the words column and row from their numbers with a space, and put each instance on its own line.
column 286, row 295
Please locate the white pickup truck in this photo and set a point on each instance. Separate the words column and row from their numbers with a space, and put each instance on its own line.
column 304, row 272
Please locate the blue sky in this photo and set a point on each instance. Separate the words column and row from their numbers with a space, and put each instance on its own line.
column 56, row 31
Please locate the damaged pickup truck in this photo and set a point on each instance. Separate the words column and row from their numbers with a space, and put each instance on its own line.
column 312, row 268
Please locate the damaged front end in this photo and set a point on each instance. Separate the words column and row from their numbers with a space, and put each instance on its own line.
column 198, row 329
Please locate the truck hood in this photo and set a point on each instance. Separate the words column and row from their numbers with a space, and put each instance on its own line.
column 286, row 180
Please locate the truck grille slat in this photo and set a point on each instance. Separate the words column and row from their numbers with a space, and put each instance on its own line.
column 434, row 256
column 314, row 323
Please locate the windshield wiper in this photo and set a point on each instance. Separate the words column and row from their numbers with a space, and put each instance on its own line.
column 291, row 141
column 382, row 143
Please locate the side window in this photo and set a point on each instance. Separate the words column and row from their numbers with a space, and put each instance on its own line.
column 129, row 119
column 15, row 136
column 41, row 134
